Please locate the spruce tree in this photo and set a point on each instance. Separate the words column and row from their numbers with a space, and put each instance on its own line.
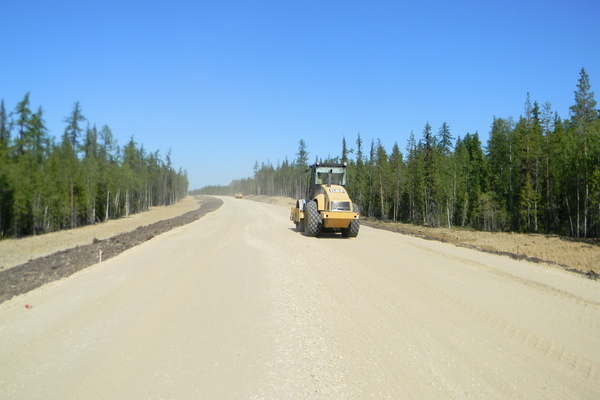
column 383, row 178
column 344, row 157
column 397, row 166
column 583, row 130
column 414, row 179
column 445, row 138
column 302, row 155
column 23, row 113
column 583, row 112
column 358, row 183
column 430, row 169
column 500, row 156
column 4, row 126
column 73, row 130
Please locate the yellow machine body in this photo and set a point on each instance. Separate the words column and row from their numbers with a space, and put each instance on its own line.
column 329, row 206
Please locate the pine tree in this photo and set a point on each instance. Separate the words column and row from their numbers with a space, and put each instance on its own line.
column 550, row 152
column 73, row 130
column 583, row 128
column 4, row 126
column 445, row 139
column 474, row 177
column 5, row 181
column 430, row 169
column 446, row 174
column 46, row 187
column 23, row 113
column 500, row 156
column 69, row 174
column 383, row 179
column 107, row 164
column 414, row 170
column 90, row 175
column 37, row 150
column 344, row 157
column 397, row 166
column 583, row 112
column 358, row 183
column 370, row 202
column 529, row 141
column 27, row 168
column 302, row 155
column 299, row 179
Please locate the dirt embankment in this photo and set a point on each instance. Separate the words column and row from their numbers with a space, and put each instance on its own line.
column 14, row 252
column 275, row 200
column 578, row 255
column 102, row 241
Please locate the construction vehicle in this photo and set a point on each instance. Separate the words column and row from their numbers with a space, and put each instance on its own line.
column 328, row 206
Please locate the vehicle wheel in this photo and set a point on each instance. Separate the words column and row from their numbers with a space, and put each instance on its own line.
column 313, row 223
column 299, row 226
column 352, row 229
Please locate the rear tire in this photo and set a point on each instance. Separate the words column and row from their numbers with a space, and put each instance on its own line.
column 313, row 223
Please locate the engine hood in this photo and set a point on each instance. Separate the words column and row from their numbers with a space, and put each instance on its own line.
column 335, row 193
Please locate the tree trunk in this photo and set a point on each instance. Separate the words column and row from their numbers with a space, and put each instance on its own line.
column 465, row 208
column 72, row 204
column 117, row 211
column 381, row 196
column 107, row 206
column 94, row 210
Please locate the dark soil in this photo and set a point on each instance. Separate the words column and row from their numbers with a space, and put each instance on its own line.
column 37, row 272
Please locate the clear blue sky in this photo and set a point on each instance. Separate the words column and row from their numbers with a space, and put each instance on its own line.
column 226, row 83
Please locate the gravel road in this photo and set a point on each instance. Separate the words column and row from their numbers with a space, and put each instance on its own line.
column 237, row 305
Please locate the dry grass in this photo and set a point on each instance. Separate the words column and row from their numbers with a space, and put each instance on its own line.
column 580, row 255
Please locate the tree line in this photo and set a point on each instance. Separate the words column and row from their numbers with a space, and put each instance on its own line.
column 48, row 185
column 538, row 173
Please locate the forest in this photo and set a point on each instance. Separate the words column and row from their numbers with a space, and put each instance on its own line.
column 48, row 185
column 536, row 174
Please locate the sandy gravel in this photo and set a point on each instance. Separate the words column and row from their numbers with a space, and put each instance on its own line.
column 17, row 251
column 580, row 255
column 237, row 305
column 59, row 265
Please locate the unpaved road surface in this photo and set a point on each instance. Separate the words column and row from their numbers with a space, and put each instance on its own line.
column 237, row 305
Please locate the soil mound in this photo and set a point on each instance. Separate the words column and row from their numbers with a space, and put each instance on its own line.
column 39, row 271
